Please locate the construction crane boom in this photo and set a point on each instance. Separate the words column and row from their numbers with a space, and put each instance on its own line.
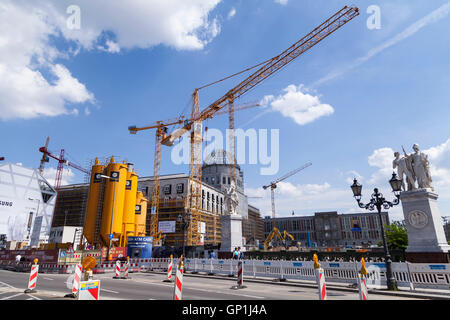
column 194, row 124
column 273, row 186
column 332, row 24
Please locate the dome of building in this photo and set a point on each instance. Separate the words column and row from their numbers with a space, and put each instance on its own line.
column 219, row 156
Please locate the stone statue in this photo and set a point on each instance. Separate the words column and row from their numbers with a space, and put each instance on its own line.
column 416, row 167
column 231, row 199
column 403, row 169
column 421, row 167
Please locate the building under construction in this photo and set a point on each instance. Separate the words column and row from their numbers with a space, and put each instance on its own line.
column 116, row 202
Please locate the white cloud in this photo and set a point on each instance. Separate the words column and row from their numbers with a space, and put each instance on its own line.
column 67, row 176
column 298, row 105
column 432, row 17
column 382, row 159
column 232, row 13
column 282, row 2
column 34, row 85
column 303, row 199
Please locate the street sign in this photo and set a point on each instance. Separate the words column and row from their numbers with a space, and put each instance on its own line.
column 89, row 290
column 111, row 236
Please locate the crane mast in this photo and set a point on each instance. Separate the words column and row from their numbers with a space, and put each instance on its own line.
column 272, row 187
column 270, row 67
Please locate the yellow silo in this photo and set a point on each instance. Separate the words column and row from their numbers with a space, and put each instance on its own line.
column 113, row 200
column 129, row 205
column 140, row 214
column 95, row 187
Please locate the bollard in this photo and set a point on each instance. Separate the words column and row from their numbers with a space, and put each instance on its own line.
column 178, row 292
column 76, row 282
column 320, row 278
column 127, row 268
column 362, row 283
column 240, row 276
column 32, row 281
column 169, row 270
column 117, row 270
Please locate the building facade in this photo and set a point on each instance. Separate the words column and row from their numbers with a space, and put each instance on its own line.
column 330, row 229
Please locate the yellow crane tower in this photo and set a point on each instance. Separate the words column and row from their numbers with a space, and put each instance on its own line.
column 265, row 70
column 273, row 185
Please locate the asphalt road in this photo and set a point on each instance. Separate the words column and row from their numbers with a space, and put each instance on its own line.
column 150, row 286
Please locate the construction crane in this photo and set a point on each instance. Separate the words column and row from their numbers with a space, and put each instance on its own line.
column 266, row 69
column 273, row 185
column 61, row 162
column 161, row 133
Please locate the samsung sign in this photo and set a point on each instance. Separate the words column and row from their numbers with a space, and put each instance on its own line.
column 6, row 203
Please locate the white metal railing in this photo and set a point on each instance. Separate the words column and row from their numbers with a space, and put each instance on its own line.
column 433, row 276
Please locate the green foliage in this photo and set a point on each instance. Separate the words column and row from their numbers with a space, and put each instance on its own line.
column 396, row 236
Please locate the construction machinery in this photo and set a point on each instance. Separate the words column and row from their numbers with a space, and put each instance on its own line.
column 46, row 154
column 273, row 185
column 161, row 133
column 266, row 69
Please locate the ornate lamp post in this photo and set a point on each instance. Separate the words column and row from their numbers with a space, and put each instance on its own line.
column 378, row 201
column 184, row 221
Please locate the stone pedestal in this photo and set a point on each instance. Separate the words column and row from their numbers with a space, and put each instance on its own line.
column 231, row 232
column 426, row 237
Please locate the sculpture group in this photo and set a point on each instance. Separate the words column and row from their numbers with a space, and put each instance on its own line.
column 414, row 167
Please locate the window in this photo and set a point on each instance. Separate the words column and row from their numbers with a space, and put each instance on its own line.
column 224, row 180
column 229, row 181
column 167, row 189
column 213, row 180
column 180, row 188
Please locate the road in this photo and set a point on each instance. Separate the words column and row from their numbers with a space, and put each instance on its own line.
column 150, row 286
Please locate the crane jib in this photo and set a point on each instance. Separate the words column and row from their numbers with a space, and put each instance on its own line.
column 318, row 34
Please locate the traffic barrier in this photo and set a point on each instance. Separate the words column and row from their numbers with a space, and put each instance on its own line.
column 362, row 286
column 169, row 270
column 77, row 278
column 127, row 268
column 240, row 276
column 178, row 288
column 320, row 275
column 118, row 269
column 32, row 281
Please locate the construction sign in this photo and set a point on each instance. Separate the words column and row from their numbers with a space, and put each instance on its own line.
column 89, row 290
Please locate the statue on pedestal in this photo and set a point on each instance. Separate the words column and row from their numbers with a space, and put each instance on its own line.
column 231, row 199
column 403, row 169
column 415, row 167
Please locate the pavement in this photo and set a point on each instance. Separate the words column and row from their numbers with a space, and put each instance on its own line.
column 150, row 286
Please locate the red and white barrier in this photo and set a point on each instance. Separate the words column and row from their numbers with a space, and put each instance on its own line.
column 320, row 277
column 240, row 276
column 178, row 292
column 77, row 278
column 127, row 269
column 169, row 270
column 32, row 281
column 117, row 270
column 362, row 285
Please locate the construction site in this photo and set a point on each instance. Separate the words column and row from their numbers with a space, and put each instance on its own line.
column 205, row 210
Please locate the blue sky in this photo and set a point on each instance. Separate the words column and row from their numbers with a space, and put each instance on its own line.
column 136, row 63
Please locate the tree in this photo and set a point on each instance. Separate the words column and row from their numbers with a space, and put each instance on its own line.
column 396, row 235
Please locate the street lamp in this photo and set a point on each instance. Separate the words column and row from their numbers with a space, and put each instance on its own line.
column 378, row 201
column 184, row 221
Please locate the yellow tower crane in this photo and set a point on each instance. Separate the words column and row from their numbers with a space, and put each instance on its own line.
column 273, row 185
column 265, row 70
